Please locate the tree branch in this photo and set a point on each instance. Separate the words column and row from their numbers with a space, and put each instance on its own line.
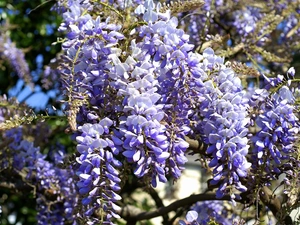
column 196, row 146
column 134, row 214
column 273, row 203
column 159, row 203
column 14, row 181
column 16, row 187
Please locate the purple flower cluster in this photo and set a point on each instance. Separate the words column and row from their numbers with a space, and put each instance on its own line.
column 136, row 94
column 55, row 189
column 202, row 213
column 85, row 73
column 56, row 194
column 245, row 20
column 89, row 43
column 223, row 124
column 152, row 99
column 278, row 128
column 154, row 91
column 145, row 144
column 98, row 177
column 74, row 12
column 15, row 57
column 23, row 153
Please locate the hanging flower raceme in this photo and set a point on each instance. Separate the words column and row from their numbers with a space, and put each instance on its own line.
column 98, row 177
column 274, row 143
column 83, row 71
column 15, row 58
column 168, row 51
column 145, row 141
column 223, row 122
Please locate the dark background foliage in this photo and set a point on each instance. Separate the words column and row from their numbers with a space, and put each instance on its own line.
column 32, row 26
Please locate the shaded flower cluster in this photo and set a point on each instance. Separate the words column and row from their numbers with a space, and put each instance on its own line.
column 245, row 20
column 51, row 76
column 201, row 24
column 203, row 213
column 56, row 193
column 15, row 58
column 22, row 152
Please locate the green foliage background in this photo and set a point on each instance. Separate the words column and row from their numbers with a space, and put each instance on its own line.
column 33, row 28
